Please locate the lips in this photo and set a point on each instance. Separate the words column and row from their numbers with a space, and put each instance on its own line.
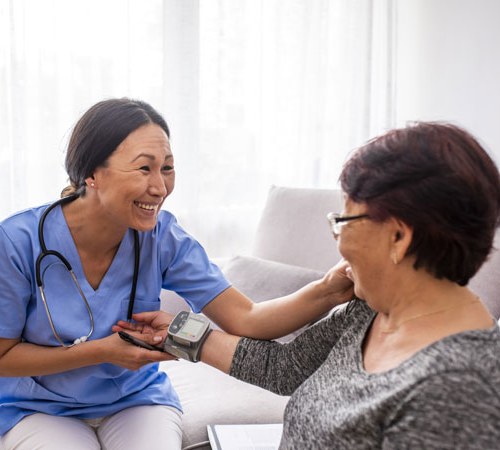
column 147, row 206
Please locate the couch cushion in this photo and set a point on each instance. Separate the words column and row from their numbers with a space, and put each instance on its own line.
column 209, row 396
column 293, row 228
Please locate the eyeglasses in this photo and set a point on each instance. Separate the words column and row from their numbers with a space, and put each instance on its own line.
column 337, row 221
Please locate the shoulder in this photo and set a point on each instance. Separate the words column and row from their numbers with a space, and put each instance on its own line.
column 165, row 220
column 25, row 216
column 167, row 230
column 477, row 351
column 359, row 307
column 348, row 321
column 169, row 236
column 452, row 398
column 462, row 369
column 167, row 225
column 353, row 313
column 22, row 224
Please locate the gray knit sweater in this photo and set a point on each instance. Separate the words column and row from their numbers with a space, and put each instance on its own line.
column 446, row 396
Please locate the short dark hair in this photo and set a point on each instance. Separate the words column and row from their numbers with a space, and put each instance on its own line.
column 100, row 131
column 438, row 179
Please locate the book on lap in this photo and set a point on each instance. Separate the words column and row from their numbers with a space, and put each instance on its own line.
column 245, row 437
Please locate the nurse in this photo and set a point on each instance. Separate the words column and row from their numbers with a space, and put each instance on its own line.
column 102, row 253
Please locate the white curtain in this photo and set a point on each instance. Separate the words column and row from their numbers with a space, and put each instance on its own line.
column 256, row 92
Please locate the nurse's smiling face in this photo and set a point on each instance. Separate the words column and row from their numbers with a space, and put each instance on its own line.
column 136, row 179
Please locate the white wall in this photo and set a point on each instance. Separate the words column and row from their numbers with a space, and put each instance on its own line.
column 448, row 65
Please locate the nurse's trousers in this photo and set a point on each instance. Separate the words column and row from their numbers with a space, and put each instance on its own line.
column 151, row 426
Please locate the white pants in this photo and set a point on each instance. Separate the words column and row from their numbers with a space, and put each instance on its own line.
column 149, row 426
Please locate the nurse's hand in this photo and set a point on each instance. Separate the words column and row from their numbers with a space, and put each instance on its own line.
column 151, row 326
column 338, row 283
column 121, row 353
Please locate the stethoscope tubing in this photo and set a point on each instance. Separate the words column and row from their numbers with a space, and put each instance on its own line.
column 44, row 252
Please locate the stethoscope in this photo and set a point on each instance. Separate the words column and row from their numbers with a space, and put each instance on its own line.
column 39, row 279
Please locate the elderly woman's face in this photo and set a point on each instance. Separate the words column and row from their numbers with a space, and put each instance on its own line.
column 366, row 246
column 137, row 178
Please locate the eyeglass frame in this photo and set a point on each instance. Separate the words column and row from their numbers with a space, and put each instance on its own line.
column 337, row 221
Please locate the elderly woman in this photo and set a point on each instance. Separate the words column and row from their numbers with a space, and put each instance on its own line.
column 412, row 361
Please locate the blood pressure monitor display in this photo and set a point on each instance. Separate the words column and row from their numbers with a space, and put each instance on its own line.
column 188, row 328
column 191, row 328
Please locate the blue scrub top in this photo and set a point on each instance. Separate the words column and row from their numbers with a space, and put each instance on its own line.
column 170, row 259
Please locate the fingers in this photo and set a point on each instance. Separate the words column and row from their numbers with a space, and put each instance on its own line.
column 147, row 357
column 133, row 356
column 154, row 356
column 126, row 326
column 146, row 317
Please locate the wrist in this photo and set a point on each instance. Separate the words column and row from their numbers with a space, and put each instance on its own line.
column 218, row 350
column 332, row 292
column 94, row 352
column 186, row 335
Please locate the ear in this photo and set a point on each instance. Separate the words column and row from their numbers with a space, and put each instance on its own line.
column 90, row 182
column 401, row 238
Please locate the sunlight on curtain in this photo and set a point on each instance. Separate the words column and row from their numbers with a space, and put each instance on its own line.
column 256, row 92
column 286, row 90
column 57, row 59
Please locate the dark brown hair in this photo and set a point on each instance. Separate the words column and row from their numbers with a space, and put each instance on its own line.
column 100, row 131
column 438, row 179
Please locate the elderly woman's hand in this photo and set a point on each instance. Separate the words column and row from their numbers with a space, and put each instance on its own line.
column 338, row 283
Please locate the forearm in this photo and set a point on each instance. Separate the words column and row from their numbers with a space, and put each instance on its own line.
column 239, row 315
column 25, row 359
column 271, row 319
column 280, row 316
column 218, row 350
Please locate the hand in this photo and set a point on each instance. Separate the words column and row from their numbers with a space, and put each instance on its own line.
column 338, row 283
column 116, row 351
column 149, row 326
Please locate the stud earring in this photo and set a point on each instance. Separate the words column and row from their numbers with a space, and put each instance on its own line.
column 92, row 184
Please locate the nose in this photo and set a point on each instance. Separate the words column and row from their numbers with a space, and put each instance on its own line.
column 335, row 235
column 158, row 185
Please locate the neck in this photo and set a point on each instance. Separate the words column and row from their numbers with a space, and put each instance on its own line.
column 89, row 231
column 421, row 296
column 394, row 328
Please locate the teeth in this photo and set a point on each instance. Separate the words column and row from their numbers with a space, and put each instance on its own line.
column 146, row 206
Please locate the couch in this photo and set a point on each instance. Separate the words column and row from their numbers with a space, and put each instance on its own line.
column 293, row 246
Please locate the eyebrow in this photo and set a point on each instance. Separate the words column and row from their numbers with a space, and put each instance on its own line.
column 151, row 157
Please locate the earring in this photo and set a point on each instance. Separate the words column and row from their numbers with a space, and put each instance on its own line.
column 92, row 184
column 395, row 259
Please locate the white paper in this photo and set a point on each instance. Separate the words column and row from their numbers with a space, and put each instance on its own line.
column 245, row 437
